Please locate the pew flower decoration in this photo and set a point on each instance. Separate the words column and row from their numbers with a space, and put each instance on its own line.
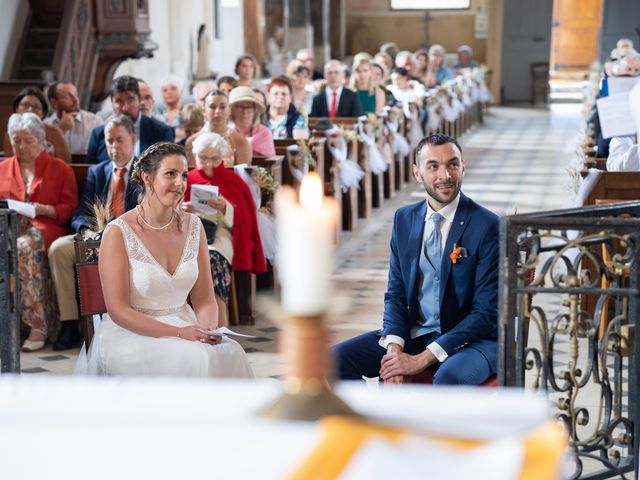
column 306, row 156
column 457, row 253
column 349, row 135
column 267, row 185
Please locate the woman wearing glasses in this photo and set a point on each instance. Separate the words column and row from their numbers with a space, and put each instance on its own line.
column 31, row 99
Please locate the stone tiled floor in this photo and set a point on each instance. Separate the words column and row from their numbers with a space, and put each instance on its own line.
column 517, row 160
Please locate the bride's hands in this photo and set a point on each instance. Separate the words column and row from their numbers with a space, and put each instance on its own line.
column 194, row 334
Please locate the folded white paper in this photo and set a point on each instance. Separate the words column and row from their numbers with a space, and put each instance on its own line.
column 200, row 195
column 225, row 332
column 615, row 116
column 23, row 208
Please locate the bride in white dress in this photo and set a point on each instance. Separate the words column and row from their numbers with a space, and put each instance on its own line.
column 156, row 279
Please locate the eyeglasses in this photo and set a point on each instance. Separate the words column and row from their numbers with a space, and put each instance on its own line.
column 30, row 106
column 245, row 107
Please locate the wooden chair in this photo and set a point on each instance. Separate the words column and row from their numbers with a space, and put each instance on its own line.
column 80, row 170
column 89, row 289
column 539, row 81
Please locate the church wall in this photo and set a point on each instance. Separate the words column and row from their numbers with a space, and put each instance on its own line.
column 174, row 27
column 370, row 23
column 12, row 22
column 620, row 19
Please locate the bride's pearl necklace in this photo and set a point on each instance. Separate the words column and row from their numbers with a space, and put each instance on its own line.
column 141, row 215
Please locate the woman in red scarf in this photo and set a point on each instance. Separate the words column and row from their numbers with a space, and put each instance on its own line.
column 237, row 242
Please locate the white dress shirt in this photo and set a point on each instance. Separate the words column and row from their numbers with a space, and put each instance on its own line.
column 77, row 136
column 329, row 94
column 624, row 155
column 448, row 213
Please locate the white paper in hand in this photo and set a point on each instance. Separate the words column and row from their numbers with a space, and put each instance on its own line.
column 225, row 332
column 200, row 195
column 23, row 208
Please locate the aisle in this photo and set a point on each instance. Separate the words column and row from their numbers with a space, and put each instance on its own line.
column 517, row 159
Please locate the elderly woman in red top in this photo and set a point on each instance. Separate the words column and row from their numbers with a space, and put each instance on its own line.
column 236, row 244
column 49, row 185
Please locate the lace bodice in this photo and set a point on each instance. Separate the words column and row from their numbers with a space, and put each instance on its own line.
column 152, row 290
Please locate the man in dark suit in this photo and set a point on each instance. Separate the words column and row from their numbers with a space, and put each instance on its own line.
column 440, row 308
column 334, row 100
column 107, row 183
column 125, row 98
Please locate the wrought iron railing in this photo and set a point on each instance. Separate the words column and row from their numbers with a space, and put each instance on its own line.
column 9, row 294
column 568, row 309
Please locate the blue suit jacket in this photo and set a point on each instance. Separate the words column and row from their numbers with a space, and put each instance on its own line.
column 469, row 299
column 151, row 131
column 97, row 187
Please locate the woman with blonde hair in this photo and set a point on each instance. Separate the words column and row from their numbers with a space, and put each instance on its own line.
column 372, row 99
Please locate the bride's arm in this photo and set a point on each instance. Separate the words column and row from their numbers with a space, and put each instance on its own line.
column 202, row 296
column 114, row 276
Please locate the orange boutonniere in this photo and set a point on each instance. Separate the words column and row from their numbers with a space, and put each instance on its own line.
column 457, row 253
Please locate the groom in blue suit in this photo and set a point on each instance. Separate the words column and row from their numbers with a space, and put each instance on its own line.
column 440, row 308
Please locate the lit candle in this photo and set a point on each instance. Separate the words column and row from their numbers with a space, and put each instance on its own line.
column 305, row 247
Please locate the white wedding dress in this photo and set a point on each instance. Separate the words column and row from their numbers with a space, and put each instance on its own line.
column 153, row 291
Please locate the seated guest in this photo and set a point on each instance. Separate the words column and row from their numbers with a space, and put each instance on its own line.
column 389, row 51
column 421, row 62
column 48, row 183
column 236, row 238
column 624, row 152
column 108, row 184
column 217, row 113
column 385, row 60
column 372, row 99
column 125, row 99
column 437, row 72
column 156, row 279
column 76, row 124
column 226, row 84
column 305, row 55
column 284, row 120
column 200, row 91
column 441, row 305
column 334, row 100
column 146, row 98
column 247, row 71
column 379, row 77
column 403, row 88
column 404, row 59
column 245, row 110
column 465, row 60
column 171, row 87
column 31, row 99
column 262, row 98
column 192, row 120
column 302, row 93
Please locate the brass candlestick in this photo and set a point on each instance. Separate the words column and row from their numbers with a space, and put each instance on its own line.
column 307, row 394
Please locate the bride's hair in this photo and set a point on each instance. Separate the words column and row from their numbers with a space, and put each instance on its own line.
column 150, row 161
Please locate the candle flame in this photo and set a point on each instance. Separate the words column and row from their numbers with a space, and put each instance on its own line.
column 311, row 191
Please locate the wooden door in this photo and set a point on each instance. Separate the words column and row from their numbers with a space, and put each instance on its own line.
column 574, row 34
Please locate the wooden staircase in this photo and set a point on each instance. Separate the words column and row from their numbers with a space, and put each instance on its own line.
column 77, row 41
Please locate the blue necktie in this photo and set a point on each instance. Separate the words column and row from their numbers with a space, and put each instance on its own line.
column 433, row 247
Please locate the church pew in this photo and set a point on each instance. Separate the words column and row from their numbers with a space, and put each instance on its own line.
column 80, row 170
column 317, row 151
column 383, row 143
column 347, row 202
column 365, row 198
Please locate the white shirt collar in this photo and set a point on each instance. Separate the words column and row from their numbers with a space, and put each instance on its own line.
column 330, row 90
column 127, row 166
column 448, row 211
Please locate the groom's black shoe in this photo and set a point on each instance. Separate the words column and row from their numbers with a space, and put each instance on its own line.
column 69, row 336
